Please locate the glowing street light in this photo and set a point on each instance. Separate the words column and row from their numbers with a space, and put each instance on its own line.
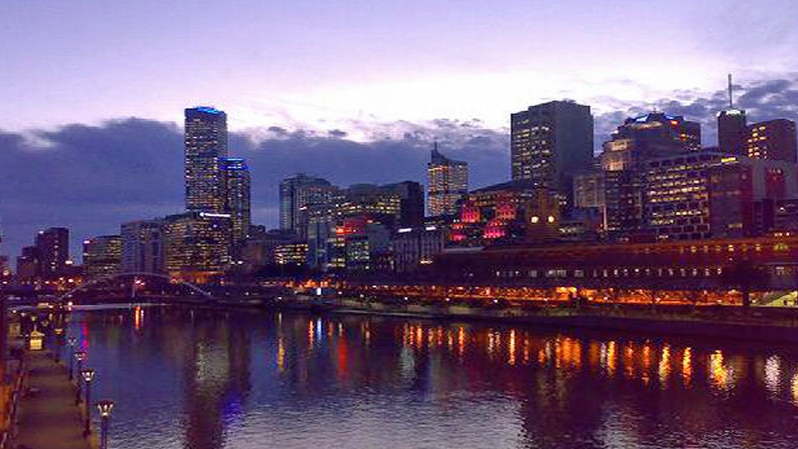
column 71, row 341
column 80, row 356
column 105, row 406
column 59, row 337
column 88, row 376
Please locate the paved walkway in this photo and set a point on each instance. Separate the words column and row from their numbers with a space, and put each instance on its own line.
column 48, row 417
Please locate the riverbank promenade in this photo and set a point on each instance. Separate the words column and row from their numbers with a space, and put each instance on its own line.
column 48, row 417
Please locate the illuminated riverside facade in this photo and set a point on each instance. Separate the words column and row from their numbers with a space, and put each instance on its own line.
column 102, row 256
column 447, row 183
column 205, row 143
column 196, row 245
column 143, row 246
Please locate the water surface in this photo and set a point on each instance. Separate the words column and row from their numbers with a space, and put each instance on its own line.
column 203, row 379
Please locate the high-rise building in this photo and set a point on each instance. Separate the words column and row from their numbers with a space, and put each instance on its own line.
column 550, row 143
column 205, row 144
column 28, row 266
column 196, row 245
column 447, row 183
column 237, row 203
column 773, row 139
column 53, row 250
column 297, row 194
column 732, row 128
column 142, row 247
column 102, row 256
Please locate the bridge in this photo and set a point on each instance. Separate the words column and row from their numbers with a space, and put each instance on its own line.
column 134, row 284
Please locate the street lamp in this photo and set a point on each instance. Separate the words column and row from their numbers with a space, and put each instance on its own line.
column 80, row 356
column 88, row 376
column 71, row 341
column 105, row 406
column 59, row 336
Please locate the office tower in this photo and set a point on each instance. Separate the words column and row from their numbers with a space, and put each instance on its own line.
column 237, row 202
column 412, row 202
column 28, row 266
column 196, row 245
column 447, row 183
column 53, row 250
column 732, row 128
column 206, row 143
column 550, row 143
column 102, row 256
column 773, row 139
column 142, row 247
column 298, row 193
column 649, row 136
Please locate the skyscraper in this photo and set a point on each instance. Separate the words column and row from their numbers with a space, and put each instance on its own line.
column 297, row 194
column 550, row 143
column 205, row 144
column 53, row 250
column 196, row 245
column 237, row 192
column 102, row 256
column 773, row 139
column 447, row 183
column 143, row 247
column 732, row 128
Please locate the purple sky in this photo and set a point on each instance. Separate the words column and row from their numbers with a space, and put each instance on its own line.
column 391, row 75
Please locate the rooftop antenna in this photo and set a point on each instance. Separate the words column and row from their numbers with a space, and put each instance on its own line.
column 731, row 97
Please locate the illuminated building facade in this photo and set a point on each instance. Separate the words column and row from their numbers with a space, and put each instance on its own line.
column 52, row 246
column 298, row 195
column 28, row 266
column 356, row 245
column 102, row 256
column 291, row 254
column 196, row 245
column 773, row 139
column 143, row 247
column 416, row 247
column 550, row 143
column 237, row 202
column 205, row 144
column 688, row 265
column 491, row 214
column 447, row 183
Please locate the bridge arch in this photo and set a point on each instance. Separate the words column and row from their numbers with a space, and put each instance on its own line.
column 98, row 280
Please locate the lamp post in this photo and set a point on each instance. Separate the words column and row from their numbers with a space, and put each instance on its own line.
column 105, row 406
column 59, row 336
column 88, row 376
column 80, row 356
column 71, row 341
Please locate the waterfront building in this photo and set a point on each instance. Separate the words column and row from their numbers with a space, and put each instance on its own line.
column 411, row 207
column 773, row 139
column 52, row 247
column 237, row 202
column 102, row 256
column 356, row 244
column 447, row 183
column 416, row 247
column 143, row 247
column 205, row 144
column 550, row 143
column 260, row 249
column 642, row 267
column 196, row 245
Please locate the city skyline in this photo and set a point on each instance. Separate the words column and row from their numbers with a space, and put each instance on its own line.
column 487, row 151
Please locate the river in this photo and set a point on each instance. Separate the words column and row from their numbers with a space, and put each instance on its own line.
column 210, row 379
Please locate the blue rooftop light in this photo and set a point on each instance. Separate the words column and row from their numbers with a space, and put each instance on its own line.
column 209, row 110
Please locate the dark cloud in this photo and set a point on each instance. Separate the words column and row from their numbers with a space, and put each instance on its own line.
column 92, row 178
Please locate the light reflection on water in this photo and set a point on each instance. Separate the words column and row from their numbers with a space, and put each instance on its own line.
column 248, row 380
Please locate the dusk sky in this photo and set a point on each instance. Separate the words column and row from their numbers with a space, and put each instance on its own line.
column 93, row 92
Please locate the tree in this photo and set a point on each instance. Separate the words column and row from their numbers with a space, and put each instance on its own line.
column 746, row 276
